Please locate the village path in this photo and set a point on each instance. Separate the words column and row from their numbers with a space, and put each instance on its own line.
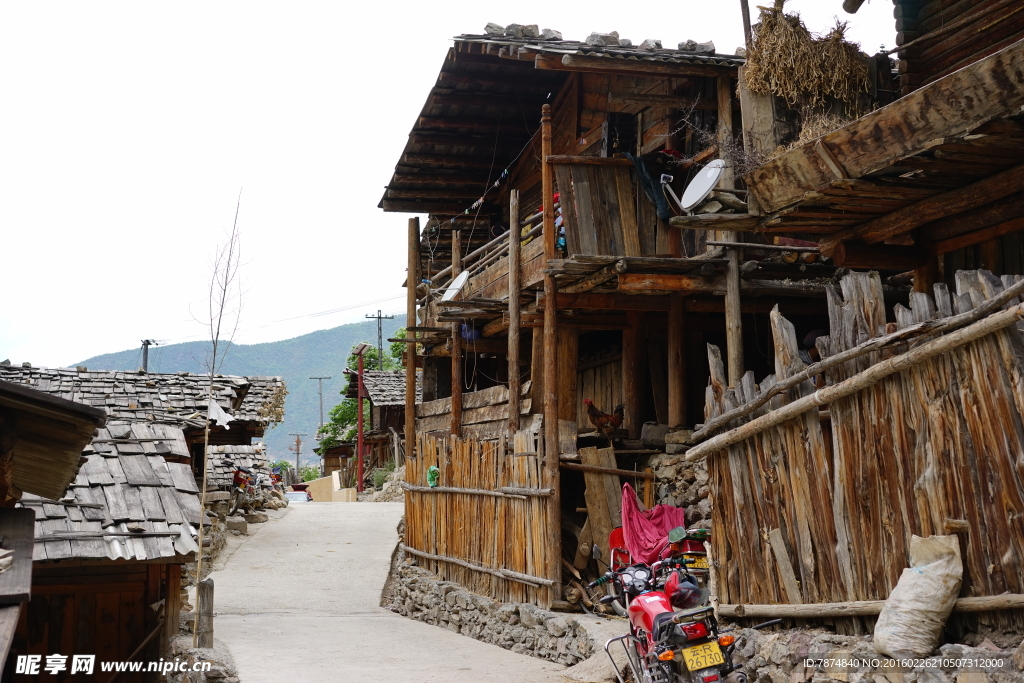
column 299, row 601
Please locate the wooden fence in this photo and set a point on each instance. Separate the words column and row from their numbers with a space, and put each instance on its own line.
column 483, row 526
column 820, row 507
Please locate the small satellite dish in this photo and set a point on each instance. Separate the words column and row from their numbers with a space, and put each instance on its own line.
column 702, row 185
column 456, row 286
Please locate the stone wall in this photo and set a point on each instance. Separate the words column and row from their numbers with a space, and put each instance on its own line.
column 818, row 656
column 683, row 484
column 525, row 629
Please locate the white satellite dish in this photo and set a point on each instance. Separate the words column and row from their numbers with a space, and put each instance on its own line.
column 702, row 185
column 456, row 286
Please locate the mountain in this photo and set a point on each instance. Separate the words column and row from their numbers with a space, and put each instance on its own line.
column 319, row 353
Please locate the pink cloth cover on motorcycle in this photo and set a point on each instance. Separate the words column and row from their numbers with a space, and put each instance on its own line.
column 646, row 531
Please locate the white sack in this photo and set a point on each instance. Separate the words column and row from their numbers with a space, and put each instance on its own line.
column 912, row 618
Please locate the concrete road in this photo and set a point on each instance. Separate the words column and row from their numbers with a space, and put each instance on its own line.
column 299, row 601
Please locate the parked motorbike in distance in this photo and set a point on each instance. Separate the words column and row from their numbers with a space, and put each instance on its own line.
column 673, row 634
column 246, row 491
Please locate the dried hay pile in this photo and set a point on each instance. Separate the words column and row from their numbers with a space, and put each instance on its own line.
column 789, row 61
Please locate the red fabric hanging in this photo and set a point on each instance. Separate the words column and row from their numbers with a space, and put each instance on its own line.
column 646, row 531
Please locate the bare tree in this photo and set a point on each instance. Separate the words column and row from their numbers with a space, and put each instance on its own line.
column 224, row 311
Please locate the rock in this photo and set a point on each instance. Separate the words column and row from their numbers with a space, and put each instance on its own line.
column 711, row 207
column 493, row 29
column 1018, row 656
column 506, row 612
column 513, row 620
column 625, row 42
column 741, row 52
column 688, row 46
column 603, row 39
column 556, row 627
column 257, row 518
column 237, row 524
column 678, row 436
column 514, row 31
column 707, row 48
column 650, row 44
column 653, row 434
column 450, row 599
column 531, row 31
column 666, row 472
column 550, row 34
column 530, row 616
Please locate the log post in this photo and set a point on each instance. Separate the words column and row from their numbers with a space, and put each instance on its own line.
column 554, row 531
column 457, row 373
column 733, row 314
column 676, row 366
column 631, row 372
column 514, row 276
column 411, row 281
column 204, row 620
column 568, row 355
column 172, row 607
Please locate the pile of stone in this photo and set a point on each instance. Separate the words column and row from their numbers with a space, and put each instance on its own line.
column 392, row 489
column 522, row 628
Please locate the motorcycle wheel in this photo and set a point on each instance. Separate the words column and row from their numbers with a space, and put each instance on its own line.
column 236, row 501
column 616, row 604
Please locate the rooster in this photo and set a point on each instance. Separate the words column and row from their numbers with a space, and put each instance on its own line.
column 605, row 423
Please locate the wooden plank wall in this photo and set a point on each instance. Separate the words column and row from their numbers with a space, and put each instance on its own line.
column 938, row 441
column 600, row 380
column 97, row 609
column 484, row 412
column 494, row 532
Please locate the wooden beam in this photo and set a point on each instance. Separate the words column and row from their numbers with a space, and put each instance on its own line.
column 481, row 125
column 503, row 142
column 715, row 221
column 486, row 99
column 676, row 363
column 444, row 160
column 631, row 372
column 614, row 302
column 622, row 66
column 514, row 307
column 423, row 178
column 412, row 277
column 882, row 256
column 671, row 101
column 450, row 195
column 924, row 211
column 971, row 239
column 589, row 161
column 605, row 470
column 424, row 206
column 955, row 105
column 552, row 478
column 589, row 282
column 641, row 283
column 860, row 608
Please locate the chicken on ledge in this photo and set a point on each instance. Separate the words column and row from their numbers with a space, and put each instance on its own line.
column 605, row 423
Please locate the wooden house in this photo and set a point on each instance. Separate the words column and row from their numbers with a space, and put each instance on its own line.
column 593, row 294
column 385, row 391
column 164, row 398
column 109, row 550
column 225, row 460
column 41, row 442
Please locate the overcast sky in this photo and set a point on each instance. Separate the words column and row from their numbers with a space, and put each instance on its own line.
column 128, row 129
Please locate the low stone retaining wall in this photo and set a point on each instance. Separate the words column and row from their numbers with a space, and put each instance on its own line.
column 525, row 629
column 818, row 656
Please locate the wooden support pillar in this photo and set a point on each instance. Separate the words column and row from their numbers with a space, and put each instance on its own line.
column 204, row 620
column 631, row 372
column 457, row 372
column 514, row 277
column 676, row 366
column 733, row 316
column 568, row 356
column 172, row 607
column 411, row 281
column 552, row 477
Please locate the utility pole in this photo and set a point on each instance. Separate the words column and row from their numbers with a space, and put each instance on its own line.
column 320, row 381
column 146, row 343
column 380, row 336
column 359, row 351
column 298, row 449
column 747, row 34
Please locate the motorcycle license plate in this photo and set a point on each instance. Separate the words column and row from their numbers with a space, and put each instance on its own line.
column 699, row 561
column 703, row 656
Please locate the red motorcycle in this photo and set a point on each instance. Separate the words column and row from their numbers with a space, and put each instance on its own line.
column 673, row 634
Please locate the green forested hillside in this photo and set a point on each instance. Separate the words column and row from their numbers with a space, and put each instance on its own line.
column 319, row 353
